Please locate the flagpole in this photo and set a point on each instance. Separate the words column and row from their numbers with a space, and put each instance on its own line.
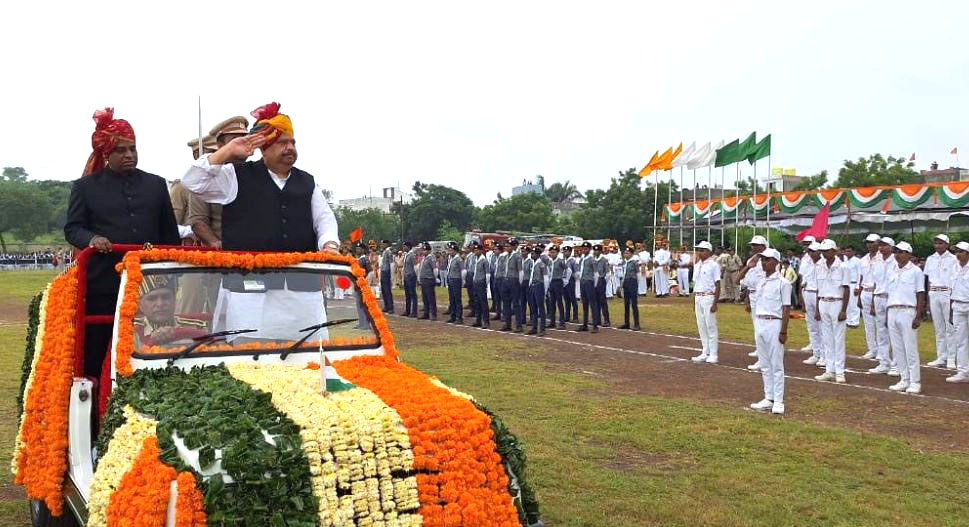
column 770, row 176
column 723, row 191
column 669, row 199
column 754, row 199
column 736, row 215
column 655, row 209
column 710, row 202
column 693, row 240
column 681, row 205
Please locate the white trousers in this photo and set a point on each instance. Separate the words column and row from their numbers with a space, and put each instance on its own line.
column 641, row 281
column 683, row 278
column 905, row 343
column 960, row 336
column 770, row 352
column 833, row 336
column 813, row 328
column 854, row 312
column 661, row 281
column 871, row 334
column 885, row 355
column 706, row 323
column 939, row 307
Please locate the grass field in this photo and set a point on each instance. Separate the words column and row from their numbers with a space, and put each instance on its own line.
column 600, row 456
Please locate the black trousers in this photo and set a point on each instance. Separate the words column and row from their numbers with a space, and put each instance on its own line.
column 472, row 303
column 428, row 296
column 630, row 300
column 454, row 299
column 555, row 301
column 571, row 302
column 587, row 290
column 522, row 303
column 410, row 296
column 510, row 298
column 536, row 303
column 481, row 297
column 602, row 300
column 497, row 285
column 97, row 337
column 385, row 291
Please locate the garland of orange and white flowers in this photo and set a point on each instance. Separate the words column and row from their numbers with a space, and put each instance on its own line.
column 38, row 341
column 132, row 264
column 126, row 443
column 461, row 479
column 354, row 442
column 41, row 455
column 142, row 497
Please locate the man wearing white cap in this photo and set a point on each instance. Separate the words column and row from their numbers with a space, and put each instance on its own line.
column 833, row 280
column 959, row 314
column 804, row 268
column 865, row 293
column 939, row 269
column 809, row 292
column 770, row 330
column 750, row 277
column 882, row 270
column 906, row 303
column 706, row 278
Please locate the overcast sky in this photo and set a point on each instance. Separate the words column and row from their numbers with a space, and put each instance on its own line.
column 481, row 95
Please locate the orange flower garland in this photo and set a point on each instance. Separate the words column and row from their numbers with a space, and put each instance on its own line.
column 142, row 497
column 42, row 458
column 248, row 261
column 460, row 479
column 190, row 504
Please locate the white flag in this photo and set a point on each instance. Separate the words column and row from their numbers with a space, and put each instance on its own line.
column 685, row 156
column 699, row 157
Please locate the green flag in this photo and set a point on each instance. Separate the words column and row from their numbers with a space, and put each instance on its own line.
column 747, row 147
column 727, row 154
column 760, row 151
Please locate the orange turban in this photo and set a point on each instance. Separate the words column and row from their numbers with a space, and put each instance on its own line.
column 271, row 123
column 107, row 132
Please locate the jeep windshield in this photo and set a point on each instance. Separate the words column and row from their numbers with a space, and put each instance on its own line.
column 205, row 312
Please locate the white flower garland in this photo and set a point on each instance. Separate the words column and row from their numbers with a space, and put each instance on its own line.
column 38, row 345
column 353, row 442
column 122, row 451
column 436, row 382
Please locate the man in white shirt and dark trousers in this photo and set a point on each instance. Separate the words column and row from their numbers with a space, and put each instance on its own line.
column 587, row 288
column 536, row 292
column 571, row 285
column 386, row 261
column 750, row 277
column 906, row 304
column 809, row 293
column 453, row 277
column 939, row 268
column 426, row 277
column 770, row 330
column 602, row 274
column 959, row 314
column 706, row 281
column 410, row 280
column 831, row 311
column 480, row 276
column 630, row 288
column 866, row 297
column 883, row 268
column 556, row 287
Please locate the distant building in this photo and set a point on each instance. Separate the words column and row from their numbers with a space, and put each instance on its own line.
column 390, row 195
column 935, row 175
column 528, row 186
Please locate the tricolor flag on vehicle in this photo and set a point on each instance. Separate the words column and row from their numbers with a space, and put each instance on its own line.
column 330, row 380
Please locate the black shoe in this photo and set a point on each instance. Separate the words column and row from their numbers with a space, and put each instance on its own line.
column 583, row 328
column 607, row 324
column 413, row 316
column 562, row 326
column 476, row 324
column 505, row 328
column 595, row 329
column 541, row 333
column 425, row 317
column 636, row 327
column 532, row 331
column 519, row 329
column 486, row 325
column 496, row 317
column 624, row 326
column 434, row 318
column 459, row 321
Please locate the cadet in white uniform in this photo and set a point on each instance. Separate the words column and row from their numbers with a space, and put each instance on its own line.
column 683, row 263
column 883, row 269
column 833, row 281
column 853, row 265
column 939, row 269
column 803, row 267
column 750, row 276
column 959, row 314
column 706, row 277
column 866, row 298
column 906, row 304
column 770, row 330
column 809, row 292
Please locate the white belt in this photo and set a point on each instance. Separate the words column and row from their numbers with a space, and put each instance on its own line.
column 829, row 299
column 699, row 293
column 940, row 289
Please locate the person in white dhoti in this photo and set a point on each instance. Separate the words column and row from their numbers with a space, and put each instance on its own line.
column 644, row 261
column 683, row 263
column 661, row 269
column 614, row 284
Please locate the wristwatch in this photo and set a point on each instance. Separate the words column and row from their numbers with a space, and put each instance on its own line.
column 331, row 245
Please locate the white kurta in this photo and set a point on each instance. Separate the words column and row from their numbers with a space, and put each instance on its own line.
column 661, row 278
column 644, row 258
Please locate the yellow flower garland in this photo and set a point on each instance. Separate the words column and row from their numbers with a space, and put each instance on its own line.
column 353, row 442
column 125, row 445
column 38, row 342
column 437, row 382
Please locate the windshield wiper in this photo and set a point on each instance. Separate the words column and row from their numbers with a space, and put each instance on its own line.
column 312, row 331
column 207, row 339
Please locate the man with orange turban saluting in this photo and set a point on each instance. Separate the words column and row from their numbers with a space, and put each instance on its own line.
column 114, row 202
column 268, row 205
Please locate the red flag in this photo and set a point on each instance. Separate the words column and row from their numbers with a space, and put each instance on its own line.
column 356, row 235
column 818, row 229
column 913, row 157
column 955, row 150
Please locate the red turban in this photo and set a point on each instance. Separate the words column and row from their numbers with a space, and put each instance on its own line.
column 271, row 123
column 107, row 132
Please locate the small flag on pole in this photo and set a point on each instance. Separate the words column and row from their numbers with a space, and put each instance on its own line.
column 330, row 380
column 913, row 157
column 955, row 151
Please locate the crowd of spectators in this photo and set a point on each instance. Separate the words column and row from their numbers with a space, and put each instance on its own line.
column 45, row 259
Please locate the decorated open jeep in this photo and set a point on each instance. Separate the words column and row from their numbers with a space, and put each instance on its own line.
column 249, row 389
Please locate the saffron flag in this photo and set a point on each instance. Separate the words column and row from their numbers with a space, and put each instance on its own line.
column 819, row 227
column 727, row 154
column 651, row 166
column 684, row 158
column 760, row 151
column 667, row 163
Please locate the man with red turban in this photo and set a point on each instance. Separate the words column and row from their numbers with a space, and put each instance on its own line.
column 114, row 202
